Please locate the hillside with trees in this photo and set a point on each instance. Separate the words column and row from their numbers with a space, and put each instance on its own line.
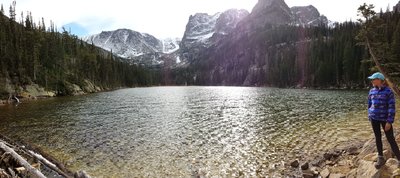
column 380, row 34
column 34, row 53
column 285, row 55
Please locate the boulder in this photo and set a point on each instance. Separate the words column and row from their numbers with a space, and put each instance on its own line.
column 73, row 89
column 34, row 91
column 325, row 173
column 368, row 148
column 389, row 168
column 367, row 169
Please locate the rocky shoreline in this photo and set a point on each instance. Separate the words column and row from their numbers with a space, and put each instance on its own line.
column 353, row 159
column 24, row 160
column 34, row 92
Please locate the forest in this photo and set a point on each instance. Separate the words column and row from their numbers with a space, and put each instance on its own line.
column 34, row 53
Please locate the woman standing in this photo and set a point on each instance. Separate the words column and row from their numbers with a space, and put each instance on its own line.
column 381, row 112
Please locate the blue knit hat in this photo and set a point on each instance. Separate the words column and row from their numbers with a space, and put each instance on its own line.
column 377, row 75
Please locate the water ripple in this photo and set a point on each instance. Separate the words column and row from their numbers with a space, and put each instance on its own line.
column 185, row 131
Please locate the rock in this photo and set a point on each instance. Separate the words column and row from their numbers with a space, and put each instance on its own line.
column 329, row 163
column 308, row 174
column 367, row 169
column 337, row 176
column 345, row 163
column 73, row 89
column 387, row 154
column 370, row 157
column 389, row 168
column 88, row 86
column 318, row 161
column 35, row 91
column 343, row 170
column 352, row 174
column 305, row 166
column 368, row 148
column 81, row 174
column 325, row 173
column 353, row 150
column 332, row 154
column 295, row 163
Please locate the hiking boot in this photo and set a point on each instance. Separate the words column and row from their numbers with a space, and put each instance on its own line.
column 380, row 162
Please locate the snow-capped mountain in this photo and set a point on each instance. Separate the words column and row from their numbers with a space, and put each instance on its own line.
column 308, row 15
column 134, row 45
column 170, row 45
column 204, row 31
column 202, row 27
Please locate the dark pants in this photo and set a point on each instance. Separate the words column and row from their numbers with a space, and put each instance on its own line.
column 376, row 126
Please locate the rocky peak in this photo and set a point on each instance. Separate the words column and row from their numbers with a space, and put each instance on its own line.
column 202, row 27
column 308, row 15
column 126, row 43
column 397, row 7
column 228, row 20
column 271, row 12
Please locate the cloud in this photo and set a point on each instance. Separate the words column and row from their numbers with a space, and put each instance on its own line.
column 161, row 18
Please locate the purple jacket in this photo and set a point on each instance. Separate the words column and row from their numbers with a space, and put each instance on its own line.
column 381, row 104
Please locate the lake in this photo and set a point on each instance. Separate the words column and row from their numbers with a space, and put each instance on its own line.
column 182, row 131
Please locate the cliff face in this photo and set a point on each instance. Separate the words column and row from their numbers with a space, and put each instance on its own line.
column 241, row 56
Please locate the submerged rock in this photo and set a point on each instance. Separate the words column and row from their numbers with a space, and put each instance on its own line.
column 305, row 166
column 295, row 164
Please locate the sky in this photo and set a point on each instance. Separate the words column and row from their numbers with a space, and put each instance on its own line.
column 161, row 18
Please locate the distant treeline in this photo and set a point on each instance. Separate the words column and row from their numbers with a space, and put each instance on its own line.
column 32, row 53
column 286, row 56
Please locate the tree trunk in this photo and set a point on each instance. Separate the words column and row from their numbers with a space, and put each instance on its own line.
column 382, row 70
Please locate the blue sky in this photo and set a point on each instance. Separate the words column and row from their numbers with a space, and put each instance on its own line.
column 161, row 18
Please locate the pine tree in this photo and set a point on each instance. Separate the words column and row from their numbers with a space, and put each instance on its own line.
column 1, row 10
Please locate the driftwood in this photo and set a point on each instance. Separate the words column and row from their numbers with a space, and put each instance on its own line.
column 48, row 164
column 29, row 169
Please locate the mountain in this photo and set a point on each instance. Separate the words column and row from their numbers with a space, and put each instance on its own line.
column 308, row 15
column 135, row 46
column 397, row 7
column 274, row 45
column 270, row 12
column 202, row 30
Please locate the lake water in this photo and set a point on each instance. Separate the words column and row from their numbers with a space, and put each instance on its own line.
column 182, row 131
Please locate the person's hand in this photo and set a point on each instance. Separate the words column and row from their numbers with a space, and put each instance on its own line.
column 387, row 126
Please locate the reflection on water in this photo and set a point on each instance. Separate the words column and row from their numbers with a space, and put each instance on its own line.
column 180, row 131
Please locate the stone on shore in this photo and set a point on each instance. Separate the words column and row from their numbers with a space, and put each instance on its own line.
column 295, row 164
column 325, row 173
column 305, row 166
column 354, row 160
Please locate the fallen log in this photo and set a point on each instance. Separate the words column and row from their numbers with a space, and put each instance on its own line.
column 47, row 163
column 29, row 169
